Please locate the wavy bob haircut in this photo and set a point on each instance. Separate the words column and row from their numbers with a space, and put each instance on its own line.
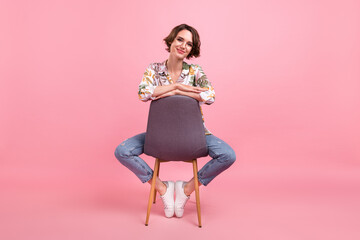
column 195, row 50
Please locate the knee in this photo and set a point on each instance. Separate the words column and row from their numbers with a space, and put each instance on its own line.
column 228, row 157
column 231, row 156
column 121, row 152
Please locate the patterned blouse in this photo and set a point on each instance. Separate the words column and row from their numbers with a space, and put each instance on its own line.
column 192, row 74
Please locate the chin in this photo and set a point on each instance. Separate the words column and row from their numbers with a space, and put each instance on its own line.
column 178, row 56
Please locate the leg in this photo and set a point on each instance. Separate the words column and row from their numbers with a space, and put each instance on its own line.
column 183, row 193
column 128, row 154
column 152, row 191
column 157, row 174
column 159, row 185
column 223, row 157
column 197, row 194
column 190, row 186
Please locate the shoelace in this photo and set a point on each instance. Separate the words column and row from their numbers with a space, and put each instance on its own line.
column 163, row 200
column 183, row 204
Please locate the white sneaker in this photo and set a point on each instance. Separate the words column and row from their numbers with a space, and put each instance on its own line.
column 181, row 198
column 168, row 199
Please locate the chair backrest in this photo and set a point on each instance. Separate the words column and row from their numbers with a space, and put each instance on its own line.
column 175, row 130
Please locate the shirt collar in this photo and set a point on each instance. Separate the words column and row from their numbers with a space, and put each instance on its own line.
column 163, row 71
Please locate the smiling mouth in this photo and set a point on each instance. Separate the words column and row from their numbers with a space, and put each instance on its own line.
column 180, row 51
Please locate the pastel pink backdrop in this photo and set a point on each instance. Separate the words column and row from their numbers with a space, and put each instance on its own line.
column 287, row 81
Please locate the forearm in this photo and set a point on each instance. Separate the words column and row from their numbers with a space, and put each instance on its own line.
column 189, row 94
column 160, row 90
column 180, row 92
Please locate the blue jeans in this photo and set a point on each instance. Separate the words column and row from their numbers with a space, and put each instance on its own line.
column 223, row 156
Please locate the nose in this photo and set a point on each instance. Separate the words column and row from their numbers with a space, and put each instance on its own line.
column 183, row 45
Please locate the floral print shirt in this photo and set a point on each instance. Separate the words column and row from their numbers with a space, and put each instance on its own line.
column 156, row 74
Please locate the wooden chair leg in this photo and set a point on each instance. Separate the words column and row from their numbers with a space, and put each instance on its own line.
column 152, row 190
column 195, row 168
column 157, row 174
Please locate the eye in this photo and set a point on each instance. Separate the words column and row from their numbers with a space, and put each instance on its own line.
column 179, row 39
column 190, row 44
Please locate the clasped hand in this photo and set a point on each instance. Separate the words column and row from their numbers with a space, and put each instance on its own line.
column 182, row 89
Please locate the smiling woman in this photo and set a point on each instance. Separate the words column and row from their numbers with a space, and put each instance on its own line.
column 185, row 34
column 171, row 77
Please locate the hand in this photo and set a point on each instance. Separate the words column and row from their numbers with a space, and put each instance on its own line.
column 187, row 88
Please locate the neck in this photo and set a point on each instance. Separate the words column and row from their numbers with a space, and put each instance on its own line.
column 174, row 65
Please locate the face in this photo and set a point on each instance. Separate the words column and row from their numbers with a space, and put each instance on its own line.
column 182, row 44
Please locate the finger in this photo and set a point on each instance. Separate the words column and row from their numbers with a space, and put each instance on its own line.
column 158, row 98
column 202, row 89
column 197, row 90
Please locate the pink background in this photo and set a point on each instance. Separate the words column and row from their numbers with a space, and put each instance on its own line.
column 287, row 82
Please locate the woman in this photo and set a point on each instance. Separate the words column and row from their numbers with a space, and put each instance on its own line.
column 176, row 77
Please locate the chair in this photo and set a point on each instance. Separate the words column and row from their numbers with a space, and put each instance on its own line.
column 175, row 132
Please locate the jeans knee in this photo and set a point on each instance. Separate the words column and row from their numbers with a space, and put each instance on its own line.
column 228, row 157
column 121, row 152
column 232, row 157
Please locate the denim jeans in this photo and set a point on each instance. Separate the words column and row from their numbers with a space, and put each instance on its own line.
column 223, row 156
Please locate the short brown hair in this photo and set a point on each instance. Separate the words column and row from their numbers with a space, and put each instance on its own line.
column 195, row 50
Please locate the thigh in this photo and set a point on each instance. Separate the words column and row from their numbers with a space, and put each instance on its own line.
column 217, row 146
column 135, row 144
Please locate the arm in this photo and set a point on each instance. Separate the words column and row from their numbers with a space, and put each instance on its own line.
column 180, row 92
column 182, row 89
column 148, row 89
column 190, row 94
column 208, row 96
column 160, row 90
column 204, row 92
column 147, row 86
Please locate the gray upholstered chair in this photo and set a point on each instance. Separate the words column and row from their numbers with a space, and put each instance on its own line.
column 175, row 132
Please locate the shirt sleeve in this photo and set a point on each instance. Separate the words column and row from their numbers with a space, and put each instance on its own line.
column 146, row 86
column 202, row 81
